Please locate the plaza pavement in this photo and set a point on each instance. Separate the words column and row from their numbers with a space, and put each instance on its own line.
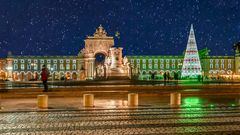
column 111, row 115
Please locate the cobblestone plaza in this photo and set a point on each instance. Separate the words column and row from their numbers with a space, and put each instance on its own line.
column 215, row 113
column 190, row 120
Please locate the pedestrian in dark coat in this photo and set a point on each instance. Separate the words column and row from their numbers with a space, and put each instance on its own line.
column 44, row 77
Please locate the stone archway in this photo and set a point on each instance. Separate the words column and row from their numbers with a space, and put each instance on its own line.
column 15, row 76
column 22, row 76
column 68, row 75
column 74, row 76
column 29, row 76
column 62, row 76
column 98, row 43
column 100, row 60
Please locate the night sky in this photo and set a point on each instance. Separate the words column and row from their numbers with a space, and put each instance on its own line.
column 146, row 27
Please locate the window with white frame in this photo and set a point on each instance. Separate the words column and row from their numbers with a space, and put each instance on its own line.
column 61, row 61
column 167, row 66
column 150, row 66
column 74, row 67
column 41, row 61
column 67, row 61
column 61, row 67
column 144, row 60
column 161, row 60
column 162, row 66
column 229, row 66
column 15, row 67
column 29, row 61
column 211, row 66
column 150, row 61
column 15, row 61
column 35, row 61
column 167, row 60
column 211, row 60
column 138, row 66
column 132, row 60
column 155, row 60
column 144, row 66
column 54, row 66
column 138, row 61
column 35, row 67
column 216, row 65
column 173, row 65
column 222, row 66
column 48, row 61
column 217, row 60
column 22, row 66
column 67, row 66
column 155, row 66
column 28, row 66
column 22, row 61
column 173, row 60
column 74, row 61
column 222, row 60
column 229, row 60
column 54, row 61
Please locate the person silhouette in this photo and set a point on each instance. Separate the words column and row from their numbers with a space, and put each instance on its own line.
column 44, row 77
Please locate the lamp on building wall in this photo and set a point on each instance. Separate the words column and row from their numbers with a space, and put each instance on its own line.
column 32, row 69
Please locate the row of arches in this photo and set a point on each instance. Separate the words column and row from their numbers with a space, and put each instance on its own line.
column 158, row 75
column 220, row 72
column 35, row 76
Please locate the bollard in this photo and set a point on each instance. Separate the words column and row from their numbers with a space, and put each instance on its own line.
column 175, row 99
column 88, row 100
column 133, row 99
column 42, row 101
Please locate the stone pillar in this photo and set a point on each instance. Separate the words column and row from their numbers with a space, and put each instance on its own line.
column 89, row 68
column 132, row 99
column 113, row 57
column 120, row 56
column 237, row 65
column 175, row 99
column 42, row 101
column 88, row 100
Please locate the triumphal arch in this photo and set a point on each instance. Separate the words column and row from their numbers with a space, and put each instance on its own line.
column 113, row 64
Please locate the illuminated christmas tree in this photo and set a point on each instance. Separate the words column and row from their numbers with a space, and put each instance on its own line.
column 191, row 64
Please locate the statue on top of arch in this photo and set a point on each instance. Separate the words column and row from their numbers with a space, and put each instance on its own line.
column 100, row 32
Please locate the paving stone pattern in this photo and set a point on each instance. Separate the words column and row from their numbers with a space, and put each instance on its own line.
column 187, row 120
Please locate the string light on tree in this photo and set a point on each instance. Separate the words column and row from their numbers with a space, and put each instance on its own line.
column 191, row 63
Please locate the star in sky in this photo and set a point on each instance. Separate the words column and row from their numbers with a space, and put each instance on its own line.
column 147, row 27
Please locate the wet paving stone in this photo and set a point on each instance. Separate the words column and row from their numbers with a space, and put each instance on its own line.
column 219, row 120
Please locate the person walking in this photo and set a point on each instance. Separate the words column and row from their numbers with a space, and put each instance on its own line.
column 44, row 76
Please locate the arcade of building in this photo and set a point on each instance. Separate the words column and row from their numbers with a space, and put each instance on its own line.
column 85, row 66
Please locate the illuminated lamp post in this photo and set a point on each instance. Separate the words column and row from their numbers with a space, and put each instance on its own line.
column 52, row 75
